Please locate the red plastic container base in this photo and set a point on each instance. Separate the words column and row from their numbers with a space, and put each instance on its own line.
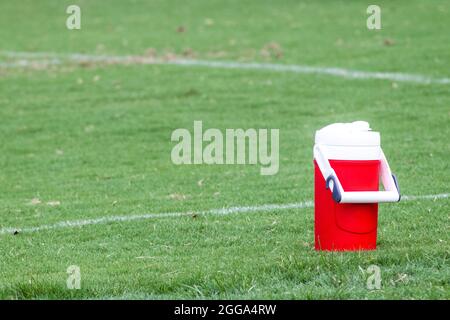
column 348, row 226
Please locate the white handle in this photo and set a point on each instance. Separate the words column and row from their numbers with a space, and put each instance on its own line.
column 391, row 193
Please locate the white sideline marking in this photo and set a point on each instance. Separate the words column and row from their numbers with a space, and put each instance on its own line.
column 331, row 71
column 217, row 212
column 129, row 59
column 426, row 197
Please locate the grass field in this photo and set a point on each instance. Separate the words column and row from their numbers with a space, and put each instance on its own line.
column 92, row 140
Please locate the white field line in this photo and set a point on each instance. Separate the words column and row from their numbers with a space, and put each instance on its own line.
column 330, row 71
column 55, row 59
column 215, row 212
column 109, row 219
column 427, row 197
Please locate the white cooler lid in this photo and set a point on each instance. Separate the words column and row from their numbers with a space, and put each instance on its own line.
column 356, row 133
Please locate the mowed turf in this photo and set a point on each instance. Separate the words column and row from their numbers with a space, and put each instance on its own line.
column 93, row 141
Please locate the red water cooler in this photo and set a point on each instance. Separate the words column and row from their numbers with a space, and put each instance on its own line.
column 348, row 165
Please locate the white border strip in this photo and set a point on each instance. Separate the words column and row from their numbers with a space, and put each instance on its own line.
column 216, row 212
column 56, row 59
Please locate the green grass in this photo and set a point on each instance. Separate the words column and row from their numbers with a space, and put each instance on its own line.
column 102, row 148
